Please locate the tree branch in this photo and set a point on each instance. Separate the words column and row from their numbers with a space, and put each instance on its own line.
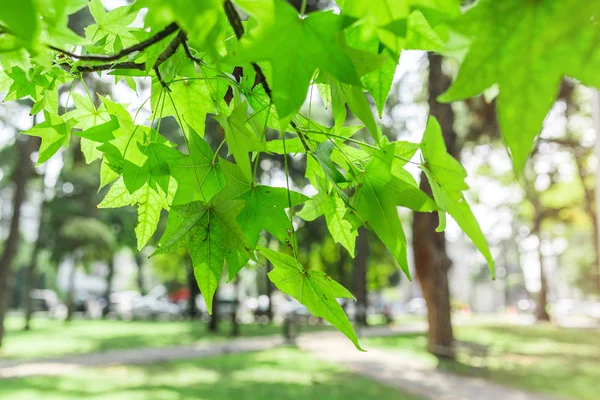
column 172, row 28
column 109, row 66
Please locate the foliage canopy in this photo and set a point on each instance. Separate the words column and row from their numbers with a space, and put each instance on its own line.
column 249, row 64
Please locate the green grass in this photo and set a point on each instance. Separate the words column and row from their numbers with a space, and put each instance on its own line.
column 541, row 358
column 282, row 373
column 50, row 338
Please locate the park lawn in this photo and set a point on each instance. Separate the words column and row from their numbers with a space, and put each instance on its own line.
column 540, row 358
column 283, row 373
column 51, row 338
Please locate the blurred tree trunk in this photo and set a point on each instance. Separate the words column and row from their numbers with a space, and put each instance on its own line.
column 541, row 311
column 109, row 286
column 21, row 175
column 581, row 155
column 213, row 324
column 235, row 327
column 139, row 262
column 360, row 276
column 270, row 288
column 193, row 290
column 71, row 290
column 31, row 272
column 431, row 260
column 596, row 116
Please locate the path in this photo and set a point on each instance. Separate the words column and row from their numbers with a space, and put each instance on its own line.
column 388, row 367
column 411, row 376
column 65, row 364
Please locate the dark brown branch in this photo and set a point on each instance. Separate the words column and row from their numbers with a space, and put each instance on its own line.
column 109, row 66
column 164, row 56
column 172, row 28
column 187, row 50
column 168, row 51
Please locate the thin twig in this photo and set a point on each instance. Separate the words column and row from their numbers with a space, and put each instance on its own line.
column 172, row 28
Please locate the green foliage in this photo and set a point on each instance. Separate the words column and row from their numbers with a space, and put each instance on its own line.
column 315, row 289
column 526, row 48
column 186, row 52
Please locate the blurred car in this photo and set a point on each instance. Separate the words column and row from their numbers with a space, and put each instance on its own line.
column 155, row 305
column 121, row 303
column 417, row 306
column 593, row 311
column 259, row 306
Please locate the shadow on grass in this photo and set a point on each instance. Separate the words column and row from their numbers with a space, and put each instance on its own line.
column 51, row 339
column 277, row 374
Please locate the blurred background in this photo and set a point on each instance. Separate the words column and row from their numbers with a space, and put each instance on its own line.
column 90, row 316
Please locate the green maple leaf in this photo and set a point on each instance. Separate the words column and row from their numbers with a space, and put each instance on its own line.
column 447, row 179
column 379, row 193
column 240, row 139
column 315, row 289
column 323, row 156
column 20, row 17
column 86, row 114
column 353, row 96
column 189, row 103
column 55, row 21
column 204, row 21
column 127, row 136
column 87, row 117
column 209, row 232
column 265, row 209
column 525, row 47
column 330, row 204
column 295, row 47
column 150, row 202
column 199, row 177
column 112, row 24
column 55, row 133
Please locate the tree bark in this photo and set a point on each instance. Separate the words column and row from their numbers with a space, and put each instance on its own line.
column 431, row 260
column 213, row 324
column 541, row 311
column 270, row 288
column 139, row 261
column 20, row 177
column 109, row 284
column 31, row 272
column 71, row 292
column 235, row 327
column 360, row 276
column 193, row 290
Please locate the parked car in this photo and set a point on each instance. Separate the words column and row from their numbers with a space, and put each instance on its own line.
column 417, row 306
column 155, row 305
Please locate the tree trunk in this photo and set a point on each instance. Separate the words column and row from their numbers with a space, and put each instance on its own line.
column 360, row 276
column 193, row 290
column 71, row 291
column 270, row 288
column 31, row 272
column 431, row 260
column 596, row 115
column 235, row 327
column 139, row 261
column 20, row 177
column 109, row 284
column 213, row 324
column 541, row 311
